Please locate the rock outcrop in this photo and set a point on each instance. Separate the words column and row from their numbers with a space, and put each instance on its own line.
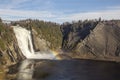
column 39, row 43
column 102, row 42
column 73, row 33
column 92, row 39
column 10, row 52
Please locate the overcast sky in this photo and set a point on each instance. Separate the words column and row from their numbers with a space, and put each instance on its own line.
column 59, row 10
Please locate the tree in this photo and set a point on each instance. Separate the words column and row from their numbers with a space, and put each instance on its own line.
column 0, row 20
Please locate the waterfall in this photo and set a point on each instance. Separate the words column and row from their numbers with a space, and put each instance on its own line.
column 25, row 44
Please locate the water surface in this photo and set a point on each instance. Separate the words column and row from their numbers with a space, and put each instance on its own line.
column 70, row 70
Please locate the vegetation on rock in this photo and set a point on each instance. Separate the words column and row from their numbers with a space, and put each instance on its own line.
column 48, row 31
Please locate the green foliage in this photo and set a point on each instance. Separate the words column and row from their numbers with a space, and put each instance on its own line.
column 2, row 44
column 0, row 20
column 1, row 27
column 6, row 36
column 50, row 32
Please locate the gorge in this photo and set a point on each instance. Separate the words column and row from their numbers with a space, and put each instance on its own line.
column 35, row 46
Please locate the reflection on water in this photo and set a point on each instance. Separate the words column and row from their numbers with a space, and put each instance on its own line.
column 69, row 70
column 26, row 70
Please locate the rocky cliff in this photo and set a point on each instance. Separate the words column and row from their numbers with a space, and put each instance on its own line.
column 82, row 39
column 103, row 41
column 97, row 41
column 9, row 51
column 75, row 32
column 40, row 44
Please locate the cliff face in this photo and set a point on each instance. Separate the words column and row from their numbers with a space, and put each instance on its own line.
column 100, row 40
column 9, row 49
column 46, row 35
column 75, row 33
column 39, row 43
column 103, row 41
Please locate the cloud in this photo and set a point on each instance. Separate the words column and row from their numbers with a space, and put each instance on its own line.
column 23, row 13
column 113, row 7
column 104, row 14
column 62, row 17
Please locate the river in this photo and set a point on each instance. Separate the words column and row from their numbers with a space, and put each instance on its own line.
column 75, row 69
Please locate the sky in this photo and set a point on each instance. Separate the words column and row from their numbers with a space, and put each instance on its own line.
column 59, row 10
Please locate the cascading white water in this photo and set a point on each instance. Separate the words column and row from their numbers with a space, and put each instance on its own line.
column 25, row 44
